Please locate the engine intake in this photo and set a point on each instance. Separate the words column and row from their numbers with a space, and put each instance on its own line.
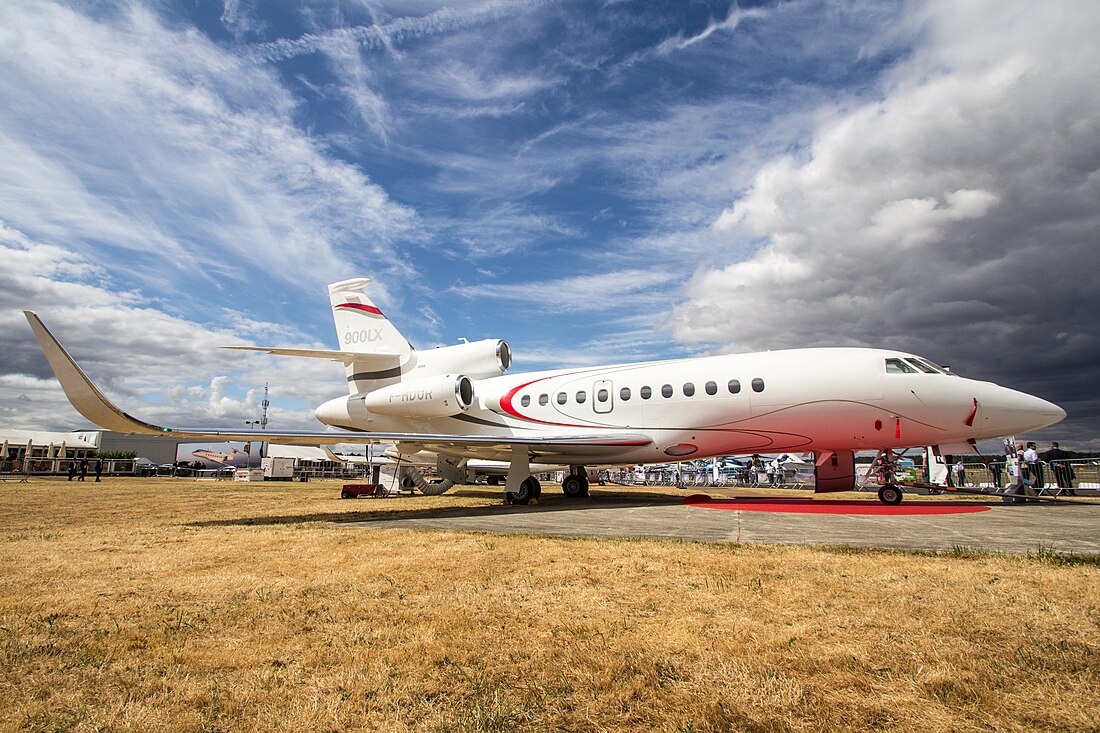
column 443, row 396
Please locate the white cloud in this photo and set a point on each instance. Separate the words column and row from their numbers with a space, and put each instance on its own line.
column 395, row 31
column 119, row 133
column 728, row 24
column 625, row 290
column 163, row 368
column 357, row 86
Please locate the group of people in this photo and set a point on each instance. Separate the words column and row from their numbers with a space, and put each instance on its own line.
column 1025, row 465
column 84, row 469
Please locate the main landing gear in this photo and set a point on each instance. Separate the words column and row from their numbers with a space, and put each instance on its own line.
column 575, row 485
column 529, row 489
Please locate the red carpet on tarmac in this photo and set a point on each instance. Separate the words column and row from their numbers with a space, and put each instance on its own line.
column 832, row 506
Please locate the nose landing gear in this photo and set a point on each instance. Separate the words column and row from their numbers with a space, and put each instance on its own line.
column 890, row 494
column 884, row 471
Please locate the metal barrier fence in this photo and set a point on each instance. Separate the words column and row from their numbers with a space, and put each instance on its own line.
column 788, row 478
column 35, row 466
column 1081, row 476
column 1047, row 477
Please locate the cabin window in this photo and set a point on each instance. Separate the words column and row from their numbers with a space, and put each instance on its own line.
column 689, row 389
column 561, row 398
column 757, row 384
column 543, row 399
column 898, row 366
column 603, row 395
column 525, row 400
column 666, row 391
column 581, row 397
column 624, row 394
column 645, row 392
column 734, row 386
column 711, row 388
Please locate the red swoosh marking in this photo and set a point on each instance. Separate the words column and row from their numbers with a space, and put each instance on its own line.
column 969, row 422
column 506, row 403
column 362, row 308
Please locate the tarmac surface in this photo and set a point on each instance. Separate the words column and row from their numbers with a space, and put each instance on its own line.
column 644, row 513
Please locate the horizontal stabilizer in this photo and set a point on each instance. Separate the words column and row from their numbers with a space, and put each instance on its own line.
column 346, row 357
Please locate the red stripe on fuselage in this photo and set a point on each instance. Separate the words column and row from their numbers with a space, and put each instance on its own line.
column 506, row 403
column 362, row 308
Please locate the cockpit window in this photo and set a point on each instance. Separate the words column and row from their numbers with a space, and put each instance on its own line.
column 931, row 365
column 923, row 366
column 898, row 366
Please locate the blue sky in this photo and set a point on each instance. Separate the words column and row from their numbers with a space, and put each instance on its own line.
column 592, row 181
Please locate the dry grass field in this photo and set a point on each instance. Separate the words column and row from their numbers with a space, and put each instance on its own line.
column 175, row 605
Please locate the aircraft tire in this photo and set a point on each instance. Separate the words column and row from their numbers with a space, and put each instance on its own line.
column 890, row 495
column 574, row 486
column 528, row 490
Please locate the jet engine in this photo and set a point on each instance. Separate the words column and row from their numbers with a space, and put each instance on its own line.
column 441, row 396
column 478, row 359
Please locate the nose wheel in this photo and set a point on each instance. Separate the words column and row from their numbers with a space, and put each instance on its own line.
column 890, row 494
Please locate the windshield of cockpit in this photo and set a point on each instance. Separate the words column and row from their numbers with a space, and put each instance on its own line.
column 913, row 365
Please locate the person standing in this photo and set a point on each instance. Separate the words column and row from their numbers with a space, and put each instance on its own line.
column 960, row 473
column 72, row 470
column 1034, row 469
column 83, row 469
column 1019, row 486
column 995, row 471
column 98, row 468
column 1059, row 466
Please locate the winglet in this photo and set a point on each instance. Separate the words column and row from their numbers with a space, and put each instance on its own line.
column 84, row 396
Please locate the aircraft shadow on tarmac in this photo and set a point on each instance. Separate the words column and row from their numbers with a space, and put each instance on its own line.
column 550, row 502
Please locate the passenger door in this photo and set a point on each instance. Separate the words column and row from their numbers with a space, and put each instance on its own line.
column 603, row 396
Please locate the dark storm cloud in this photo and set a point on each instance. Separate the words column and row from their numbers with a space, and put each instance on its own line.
column 955, row 217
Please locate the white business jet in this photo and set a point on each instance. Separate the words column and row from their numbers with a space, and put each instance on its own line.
column 457, row 402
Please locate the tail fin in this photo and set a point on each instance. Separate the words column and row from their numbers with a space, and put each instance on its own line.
column 362, row 328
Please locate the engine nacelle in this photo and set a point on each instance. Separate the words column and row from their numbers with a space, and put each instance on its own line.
column 443, row 396
column 478, row 359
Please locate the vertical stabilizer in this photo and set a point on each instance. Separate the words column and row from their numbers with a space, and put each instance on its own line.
column 361, row 327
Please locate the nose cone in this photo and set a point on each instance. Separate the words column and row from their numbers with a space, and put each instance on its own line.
column 1010, row 412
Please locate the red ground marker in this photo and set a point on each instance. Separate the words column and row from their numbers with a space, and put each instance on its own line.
column 832, row 506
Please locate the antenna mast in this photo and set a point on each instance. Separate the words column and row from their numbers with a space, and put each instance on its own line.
column 264, row 404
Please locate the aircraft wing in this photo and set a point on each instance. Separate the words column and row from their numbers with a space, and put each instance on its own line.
column 94, row 405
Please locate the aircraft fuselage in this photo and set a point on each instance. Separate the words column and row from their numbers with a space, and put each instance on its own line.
column 820, row 399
